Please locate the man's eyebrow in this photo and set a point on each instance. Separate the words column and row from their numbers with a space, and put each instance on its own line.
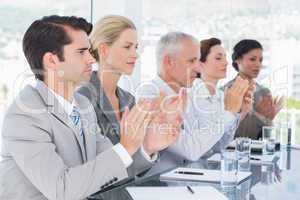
column 82, row 49
column 194, row 58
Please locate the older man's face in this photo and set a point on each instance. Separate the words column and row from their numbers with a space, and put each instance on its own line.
column 186, row 64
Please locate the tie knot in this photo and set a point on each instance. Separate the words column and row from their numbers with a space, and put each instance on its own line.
column 75, row 111
column 75, row 115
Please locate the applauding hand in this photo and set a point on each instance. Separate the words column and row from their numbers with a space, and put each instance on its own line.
column 248, row 100
column 166, row 123
column 234, row 96
column 269, row 107
column 134, row 124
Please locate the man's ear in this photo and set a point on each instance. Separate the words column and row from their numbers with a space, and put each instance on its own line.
column 50, row 61
column 168, row 61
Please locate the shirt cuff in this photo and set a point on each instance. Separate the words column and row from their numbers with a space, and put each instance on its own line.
column 263, row 119
column 231, row 117
column 151, row 158
column 124, row 155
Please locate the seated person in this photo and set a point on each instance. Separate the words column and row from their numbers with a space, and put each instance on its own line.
column 178, row 57
column 52, row 147
column 114, row 45
column 247, row 59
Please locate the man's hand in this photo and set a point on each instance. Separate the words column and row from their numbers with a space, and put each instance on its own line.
column 166, row 123
column 233, row 96
column 134, row 124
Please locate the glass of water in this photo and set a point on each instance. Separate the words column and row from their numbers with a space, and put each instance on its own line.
column 269, row 138
column 228, row 170
column 243, row 149
column 285, row 134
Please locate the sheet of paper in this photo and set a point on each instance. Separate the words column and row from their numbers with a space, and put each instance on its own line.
column 175, row 193
column 213, row 176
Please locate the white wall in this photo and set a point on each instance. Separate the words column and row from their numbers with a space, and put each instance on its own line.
column 133, row 10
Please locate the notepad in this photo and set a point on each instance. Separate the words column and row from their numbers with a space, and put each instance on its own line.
column 213, row 176
column 175, row 193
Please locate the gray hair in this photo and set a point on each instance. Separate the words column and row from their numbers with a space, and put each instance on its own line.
column 171, row 44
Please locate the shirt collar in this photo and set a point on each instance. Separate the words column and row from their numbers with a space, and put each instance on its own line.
column 67, row 106
column 164, row 86
column 200, row 89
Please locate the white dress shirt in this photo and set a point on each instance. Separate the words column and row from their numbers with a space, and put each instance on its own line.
column 207, row 126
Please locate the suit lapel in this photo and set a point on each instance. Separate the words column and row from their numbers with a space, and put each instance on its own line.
column 106, row 109
column 89, row 125
column 104, row 104
column 124, row 99
column 56, row 109
column 63, row 117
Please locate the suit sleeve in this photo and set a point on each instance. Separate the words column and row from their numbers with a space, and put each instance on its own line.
column 139, row 164
column 251, row 125
column 31, row 146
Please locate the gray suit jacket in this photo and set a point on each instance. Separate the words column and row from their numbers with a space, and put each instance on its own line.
column 107, row 120
column 251, row 126
column 45, row 158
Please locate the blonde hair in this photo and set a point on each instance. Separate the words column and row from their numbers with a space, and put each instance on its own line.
column 108, row 29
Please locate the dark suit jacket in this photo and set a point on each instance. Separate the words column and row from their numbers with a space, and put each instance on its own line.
column 106, row 116
column 251, row 126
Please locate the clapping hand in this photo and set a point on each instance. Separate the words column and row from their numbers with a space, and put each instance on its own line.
column 269, row 107
column 234, row 96
column 134, row 124
column 248, row 100
column 166, row 122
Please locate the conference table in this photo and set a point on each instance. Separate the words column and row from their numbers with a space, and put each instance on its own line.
column 276, row 180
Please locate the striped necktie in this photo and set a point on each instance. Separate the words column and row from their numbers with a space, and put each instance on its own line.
column 75, row 116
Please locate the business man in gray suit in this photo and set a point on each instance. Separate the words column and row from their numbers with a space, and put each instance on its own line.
column 52, row 148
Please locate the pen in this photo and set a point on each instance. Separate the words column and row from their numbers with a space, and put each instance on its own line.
column 252, row 158
column 190, row 189
column 189, row 173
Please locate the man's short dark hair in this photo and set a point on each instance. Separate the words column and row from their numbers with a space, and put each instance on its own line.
column 49, row 35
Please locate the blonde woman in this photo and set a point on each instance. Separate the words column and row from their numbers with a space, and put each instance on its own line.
column 114, row 45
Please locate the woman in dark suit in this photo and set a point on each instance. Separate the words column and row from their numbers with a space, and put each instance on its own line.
column 114, row 45
column 247, row 60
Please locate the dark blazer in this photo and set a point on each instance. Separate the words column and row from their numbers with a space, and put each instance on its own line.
column 251, row 126
column 106, row 116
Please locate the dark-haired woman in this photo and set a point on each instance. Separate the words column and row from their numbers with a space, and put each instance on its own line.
column 212, row 115
column 247, row 60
